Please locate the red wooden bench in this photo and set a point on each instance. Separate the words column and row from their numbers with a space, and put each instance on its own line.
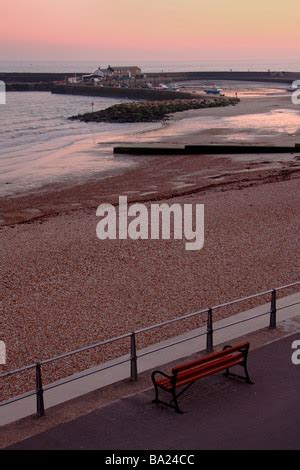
column 187, row 374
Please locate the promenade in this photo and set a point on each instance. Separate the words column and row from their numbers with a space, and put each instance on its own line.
column 220, row 414
column 176, row 348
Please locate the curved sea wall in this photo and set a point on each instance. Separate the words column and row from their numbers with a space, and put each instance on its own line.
column 29, row 86
column 268, row 76
column 14, row 77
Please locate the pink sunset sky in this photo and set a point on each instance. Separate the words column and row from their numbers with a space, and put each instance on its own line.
column 149, row 29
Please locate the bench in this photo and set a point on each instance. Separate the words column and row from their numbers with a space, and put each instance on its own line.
column 187, row 374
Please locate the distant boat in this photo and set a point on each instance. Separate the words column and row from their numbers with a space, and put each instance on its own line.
column 294, row 87
column 213, row 91
column 162, row 86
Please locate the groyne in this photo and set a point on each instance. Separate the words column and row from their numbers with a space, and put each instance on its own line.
column 164, row 149
column 152, row 111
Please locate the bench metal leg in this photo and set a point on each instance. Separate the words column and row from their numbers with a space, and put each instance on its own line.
column 156, row 399
column 227, row 373
column 175, row 400
column 175, row 407
column 248, row 380
column 179, row 394
column 184, row 390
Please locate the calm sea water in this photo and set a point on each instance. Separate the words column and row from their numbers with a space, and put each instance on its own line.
column 150, row 66
column 39, row 145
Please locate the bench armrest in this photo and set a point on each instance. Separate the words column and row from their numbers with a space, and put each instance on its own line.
column 242, row 350
column 159, row 372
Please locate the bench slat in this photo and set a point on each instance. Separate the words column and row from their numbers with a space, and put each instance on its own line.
column 223, row 361
column 166, row 384
column 211, row 357
column 207, row 373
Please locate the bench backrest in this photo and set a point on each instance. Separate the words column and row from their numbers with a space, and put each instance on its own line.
column 239, row 348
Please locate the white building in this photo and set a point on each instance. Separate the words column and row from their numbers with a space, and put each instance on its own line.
column 98, row 74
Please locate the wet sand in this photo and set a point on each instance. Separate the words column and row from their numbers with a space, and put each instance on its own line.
column 62, row 288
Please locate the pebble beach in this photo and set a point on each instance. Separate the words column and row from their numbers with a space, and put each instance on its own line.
column 62, row 288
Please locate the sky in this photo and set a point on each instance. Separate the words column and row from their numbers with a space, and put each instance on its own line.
column 149, row 29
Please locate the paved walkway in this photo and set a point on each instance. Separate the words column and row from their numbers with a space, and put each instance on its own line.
column 191, row 342
column 220, row 414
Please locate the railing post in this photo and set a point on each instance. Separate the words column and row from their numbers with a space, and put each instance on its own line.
column 210, row 332
column 40, row 408
column 133, row 361
column 273, row 310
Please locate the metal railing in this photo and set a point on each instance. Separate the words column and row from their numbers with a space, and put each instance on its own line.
column 134, row 356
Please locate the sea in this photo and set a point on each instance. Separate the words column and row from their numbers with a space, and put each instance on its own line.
column 40, row 146
column 152, row 66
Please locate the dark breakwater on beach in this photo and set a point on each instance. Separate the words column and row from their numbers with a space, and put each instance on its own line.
column 152, row 111
column 165, row 149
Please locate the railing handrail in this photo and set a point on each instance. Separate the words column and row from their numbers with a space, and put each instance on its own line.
column 142, row 330
column 64, row 355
